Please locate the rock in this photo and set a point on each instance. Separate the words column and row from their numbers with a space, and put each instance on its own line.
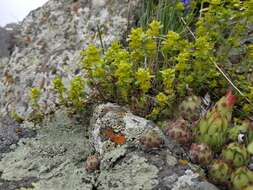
column 206, row 186
column 50, row 40
column 129, row 165
column 8, row 39
column 110, row 121
column 10, row 133
column 55, row 158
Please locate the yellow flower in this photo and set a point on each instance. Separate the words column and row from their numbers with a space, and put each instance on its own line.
column 143, row 77
column 168, row 78
column 215, row 2
column 136, row 38
column 154, row 28
column 171, row 41
column 162, row 98
column 180, row 6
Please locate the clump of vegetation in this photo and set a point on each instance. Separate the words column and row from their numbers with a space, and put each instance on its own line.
column 155, row 71
column 161, row 65
column 74, row 97
column 34, row 97
column 37, row 114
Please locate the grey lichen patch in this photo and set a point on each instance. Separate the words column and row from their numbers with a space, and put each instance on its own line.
column 111, row 157
column 135, row 127
column 10, row 133
column 134, row 172
column 185, row 182
column 171, row 160
column 56, row 157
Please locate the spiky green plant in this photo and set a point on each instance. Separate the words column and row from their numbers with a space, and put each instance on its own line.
column 212, row 128
column 220, row 172
column 235, row 154
column 241, row 178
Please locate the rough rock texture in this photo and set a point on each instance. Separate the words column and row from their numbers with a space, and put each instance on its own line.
column 11, row 132
column 50, row 41
column 132, row 165
column 52, row 160
column 55, row 158
column 8, row 39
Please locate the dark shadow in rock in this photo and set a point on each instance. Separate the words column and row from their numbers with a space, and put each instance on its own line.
column 11, row 132
column 13, row 185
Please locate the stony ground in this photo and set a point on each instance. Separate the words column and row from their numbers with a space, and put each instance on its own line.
column 52, row 155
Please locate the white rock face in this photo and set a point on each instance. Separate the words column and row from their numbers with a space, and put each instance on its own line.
column 51, row 39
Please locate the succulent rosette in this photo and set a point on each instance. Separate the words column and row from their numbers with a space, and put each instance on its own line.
column 241, row 178
column 236, row 154
column 242, row 127
column 179, row 131
column 151, row 139
column 92, row 163
column 190, row 108
column 201, row 153
column 219, row 172
column 212, row 128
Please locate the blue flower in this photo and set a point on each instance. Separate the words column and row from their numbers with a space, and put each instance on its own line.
column 186, row 2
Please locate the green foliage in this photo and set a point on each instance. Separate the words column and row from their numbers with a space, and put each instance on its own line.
column 76, row 94
column 172, row 65
column 73, row 97
column 168, row 13
column 17, row 117
column 59, row 89
column 143, row 79
column 34, row 96
column 37, row 114
column 225, row 26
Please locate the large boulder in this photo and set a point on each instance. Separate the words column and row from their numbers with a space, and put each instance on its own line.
column 55, row 158
column 146, row 159
column 50, row 40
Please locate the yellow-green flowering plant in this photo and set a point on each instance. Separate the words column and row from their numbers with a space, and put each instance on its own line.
column 157, row 68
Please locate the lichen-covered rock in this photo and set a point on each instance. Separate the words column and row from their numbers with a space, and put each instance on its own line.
column 129, row 166
column 56, row 156
column 110, row 121
column 10, row 133
column 54, row 159
column 50, row 40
